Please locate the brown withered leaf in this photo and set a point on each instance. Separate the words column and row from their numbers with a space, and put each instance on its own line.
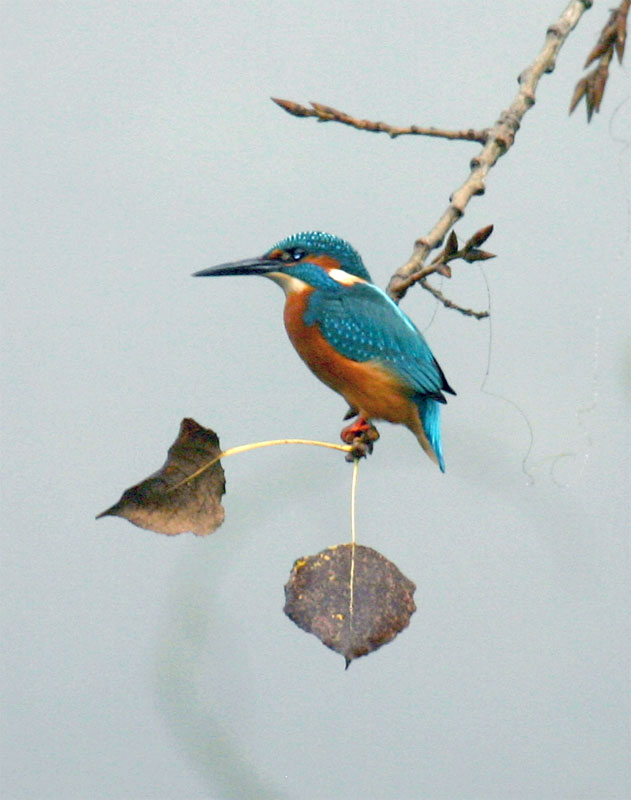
column 166, row 502
column 318, row 599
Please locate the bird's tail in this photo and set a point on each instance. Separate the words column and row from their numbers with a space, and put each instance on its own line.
column 429, row 411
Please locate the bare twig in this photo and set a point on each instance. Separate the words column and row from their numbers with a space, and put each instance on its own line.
column 612, row 39
column 500, row 140
column 496, row 142
column 469, row 252
column 328, row 114
column 468, row 312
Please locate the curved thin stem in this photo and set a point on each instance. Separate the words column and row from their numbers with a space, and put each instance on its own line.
column 353, row 538
column 244, row 448
column 354, row 500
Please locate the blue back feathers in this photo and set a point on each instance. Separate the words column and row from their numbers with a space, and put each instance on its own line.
column 362, row 323
column 320, row 243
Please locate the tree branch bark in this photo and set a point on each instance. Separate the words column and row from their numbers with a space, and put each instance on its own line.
column 329, row 114
column 501, row 139
column 496, row 142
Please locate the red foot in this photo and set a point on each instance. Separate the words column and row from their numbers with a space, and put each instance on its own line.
column 355, row 429
column 361, row 435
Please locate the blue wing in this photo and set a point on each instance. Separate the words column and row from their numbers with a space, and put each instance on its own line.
column 362, row 323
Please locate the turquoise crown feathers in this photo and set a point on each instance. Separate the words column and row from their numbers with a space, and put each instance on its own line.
column 326, row 244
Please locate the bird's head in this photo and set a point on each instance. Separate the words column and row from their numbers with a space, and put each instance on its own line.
column 310, row 259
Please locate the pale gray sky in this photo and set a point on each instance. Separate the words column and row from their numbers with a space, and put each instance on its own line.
column 141, row 146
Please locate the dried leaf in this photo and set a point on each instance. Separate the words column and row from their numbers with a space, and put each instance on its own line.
column 318, row 599
column 170, row 501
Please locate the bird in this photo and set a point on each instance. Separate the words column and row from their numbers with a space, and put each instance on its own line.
column 353, row 336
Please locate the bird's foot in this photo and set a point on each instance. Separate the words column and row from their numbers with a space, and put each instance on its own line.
column 361, row 435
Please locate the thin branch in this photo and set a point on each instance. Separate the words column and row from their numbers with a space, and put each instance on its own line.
column 496, row 142
column 468, row 312
column 328, row 114
column 245, row 448
column 500, row 140
column 469, row 252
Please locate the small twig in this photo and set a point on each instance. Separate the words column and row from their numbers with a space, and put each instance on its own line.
column 612, row 39
column 500, row 139
column 469, row 252
column 496, row 142
column 468, row 312
column 328, row 114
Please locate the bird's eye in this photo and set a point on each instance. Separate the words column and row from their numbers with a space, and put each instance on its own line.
column 291, row 254
column 297, row 254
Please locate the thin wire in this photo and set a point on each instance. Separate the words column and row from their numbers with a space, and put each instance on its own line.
column 531, row 436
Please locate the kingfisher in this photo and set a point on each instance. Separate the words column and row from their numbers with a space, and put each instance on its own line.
column 352, row 336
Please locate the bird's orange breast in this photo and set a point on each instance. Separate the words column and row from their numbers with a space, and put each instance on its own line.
column 367, row 386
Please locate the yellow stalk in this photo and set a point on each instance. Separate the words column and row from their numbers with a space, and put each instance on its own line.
column 244, row 448
column 353, row 537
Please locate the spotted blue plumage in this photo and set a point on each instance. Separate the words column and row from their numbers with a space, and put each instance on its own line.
column 318, row 243
column 362, row 323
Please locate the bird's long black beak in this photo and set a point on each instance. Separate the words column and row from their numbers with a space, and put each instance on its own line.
column 249, row 266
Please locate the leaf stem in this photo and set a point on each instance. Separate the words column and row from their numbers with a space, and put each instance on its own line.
column 353, row 539
column 354, row 500
column 244, row 448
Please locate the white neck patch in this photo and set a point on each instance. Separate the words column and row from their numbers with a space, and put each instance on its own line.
column 344, row 278
column 288, row 283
